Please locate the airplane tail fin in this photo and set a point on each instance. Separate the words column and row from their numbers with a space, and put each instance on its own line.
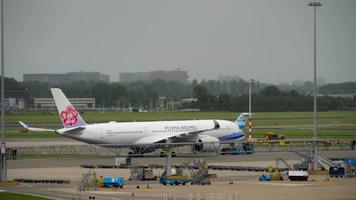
column 69, row 116
column 242, row 119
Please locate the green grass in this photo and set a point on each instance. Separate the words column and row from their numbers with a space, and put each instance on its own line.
column 19, row 134
column 288, row 117
column 121, row 116
column 14, row 196
column 335, row 118
column 308, row 133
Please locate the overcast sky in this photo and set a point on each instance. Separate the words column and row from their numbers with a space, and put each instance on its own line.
column 269, row 40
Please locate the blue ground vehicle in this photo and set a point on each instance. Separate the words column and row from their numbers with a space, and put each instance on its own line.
column 246, row 148
column 113, row 182
column 350, row 161
column 337, row 172
column 174, row 180
column 265, row 178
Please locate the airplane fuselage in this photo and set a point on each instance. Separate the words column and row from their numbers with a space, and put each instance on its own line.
column 131, row 132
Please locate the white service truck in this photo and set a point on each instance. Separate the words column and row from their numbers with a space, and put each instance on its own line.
column 296, row 175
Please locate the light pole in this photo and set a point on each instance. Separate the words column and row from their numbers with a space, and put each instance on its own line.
column 3, row 168
column 249, row 111
column 315, row 145
column 249, row 97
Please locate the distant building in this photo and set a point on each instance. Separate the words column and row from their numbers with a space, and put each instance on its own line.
column 16, row 99
column 174, row 75
column 14, row 103
column 78, row 103
column 68, row 77
column 87, row 76
column 128, row 77
column 47, row 78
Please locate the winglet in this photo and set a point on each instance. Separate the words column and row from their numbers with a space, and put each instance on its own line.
column 23, row 125
column 216, row 124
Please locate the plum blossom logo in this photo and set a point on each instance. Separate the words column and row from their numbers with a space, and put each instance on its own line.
column 69, row 116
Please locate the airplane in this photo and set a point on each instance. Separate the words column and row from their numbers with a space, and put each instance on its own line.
column 138, row 135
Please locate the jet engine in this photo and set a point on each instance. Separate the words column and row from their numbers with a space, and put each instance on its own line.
column 206, row 144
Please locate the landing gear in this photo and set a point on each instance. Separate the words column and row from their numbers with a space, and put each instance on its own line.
column 163, row 154
column 134, row 154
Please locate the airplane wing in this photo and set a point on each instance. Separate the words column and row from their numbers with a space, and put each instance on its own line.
column 25, row 126
column 174, row 136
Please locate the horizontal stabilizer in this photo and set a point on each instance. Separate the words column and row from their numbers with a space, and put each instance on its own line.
column 73, row 130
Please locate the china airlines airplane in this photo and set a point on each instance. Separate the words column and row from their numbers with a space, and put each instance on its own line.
column 143, row 134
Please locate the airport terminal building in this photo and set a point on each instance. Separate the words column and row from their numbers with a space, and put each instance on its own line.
column 78, row 103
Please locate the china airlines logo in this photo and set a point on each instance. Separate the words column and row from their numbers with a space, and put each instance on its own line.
column 69, row 116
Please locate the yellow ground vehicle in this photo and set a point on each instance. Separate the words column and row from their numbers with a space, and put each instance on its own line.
column 274, row 136
column 271, row 136
column 282, row 140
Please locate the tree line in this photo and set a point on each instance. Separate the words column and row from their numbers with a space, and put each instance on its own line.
column 269, row 98
column 211, row 95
